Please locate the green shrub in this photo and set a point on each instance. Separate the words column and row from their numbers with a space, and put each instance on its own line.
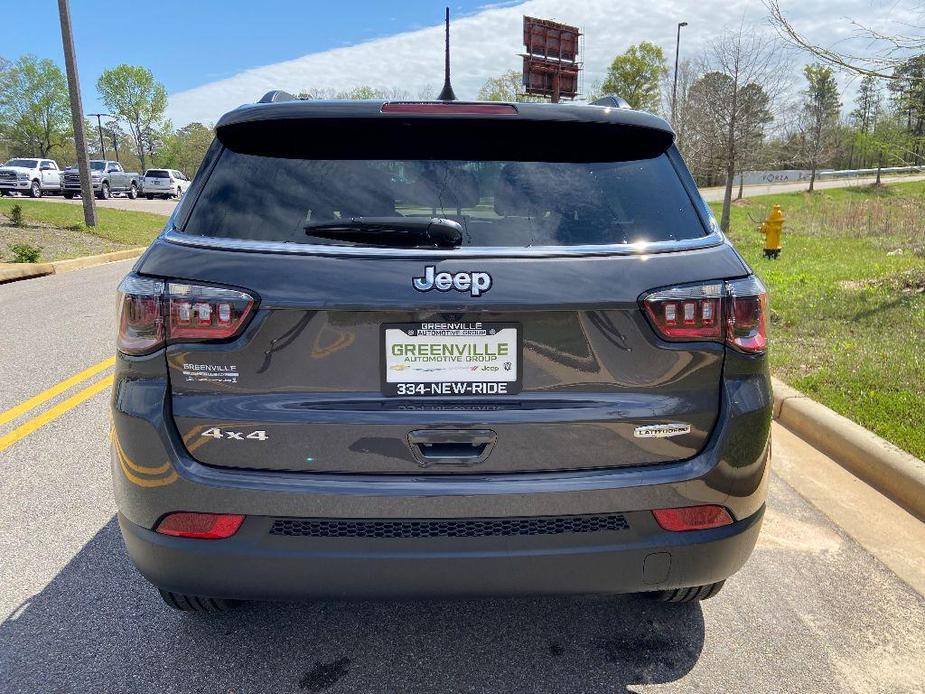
column 25, row 253
column 16, row 218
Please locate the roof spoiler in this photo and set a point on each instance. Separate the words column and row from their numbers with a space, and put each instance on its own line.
column 612, row 101
column 275, row 95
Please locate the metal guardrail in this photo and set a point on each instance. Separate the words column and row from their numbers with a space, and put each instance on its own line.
column 885, row 171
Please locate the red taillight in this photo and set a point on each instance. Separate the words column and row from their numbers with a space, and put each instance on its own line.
column 151, row 313
column 692, row 518
column 204, row 526
column 747, row 315
column 209, row 313
column 450, row 109
column 734, row 311
column 140, row 321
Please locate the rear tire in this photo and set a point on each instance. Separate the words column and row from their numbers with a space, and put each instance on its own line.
column 132, row 192
column 691, row 594
column 68, row 196
column 197, row 603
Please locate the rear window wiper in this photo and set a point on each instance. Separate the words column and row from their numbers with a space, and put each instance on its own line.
column 405, row 232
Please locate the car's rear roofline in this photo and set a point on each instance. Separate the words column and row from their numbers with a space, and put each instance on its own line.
column 276, row 106
column 487, row 130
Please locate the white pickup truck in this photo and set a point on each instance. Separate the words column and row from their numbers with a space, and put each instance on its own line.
column 32, row 176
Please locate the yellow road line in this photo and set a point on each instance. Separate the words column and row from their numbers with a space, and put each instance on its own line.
column 54, row 412
column 46, row 395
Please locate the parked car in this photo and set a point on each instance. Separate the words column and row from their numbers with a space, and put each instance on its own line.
column 457, row 349
column 107, row 177
column 164, row 183
column 32, row 176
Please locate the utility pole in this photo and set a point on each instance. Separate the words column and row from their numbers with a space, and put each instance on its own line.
column 99, row 125
column 77, row 114
column 674, row 89
column 115, row 140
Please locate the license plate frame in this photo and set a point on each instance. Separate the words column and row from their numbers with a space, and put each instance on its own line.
column 428, row 384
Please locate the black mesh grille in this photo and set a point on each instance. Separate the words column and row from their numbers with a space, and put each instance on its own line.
column 472, row 527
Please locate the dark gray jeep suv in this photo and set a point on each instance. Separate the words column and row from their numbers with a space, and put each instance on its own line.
column 440, row 348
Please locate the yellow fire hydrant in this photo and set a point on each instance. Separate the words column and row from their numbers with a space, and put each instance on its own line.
column 773, row 229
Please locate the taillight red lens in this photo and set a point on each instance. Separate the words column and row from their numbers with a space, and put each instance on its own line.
column 734, row 311
column 210, row 313
column 151, row 313
column 692, row 312
column 747, row 315
column 692, row 518
column 449, row 109
column 139, row 315
column 203, row 526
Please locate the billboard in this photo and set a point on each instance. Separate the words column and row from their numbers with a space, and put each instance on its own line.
column 550, row 64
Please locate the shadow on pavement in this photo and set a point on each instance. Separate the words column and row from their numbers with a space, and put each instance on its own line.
column 98, row 626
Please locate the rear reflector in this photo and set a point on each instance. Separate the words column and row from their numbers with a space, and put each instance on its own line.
column 203, row 526
column 450, row 109
column 692, row 518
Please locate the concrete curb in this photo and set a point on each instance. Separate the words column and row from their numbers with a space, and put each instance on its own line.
column 888, row 469
column 10, row 272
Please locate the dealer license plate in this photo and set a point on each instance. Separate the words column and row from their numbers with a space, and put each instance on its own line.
column 449, row 359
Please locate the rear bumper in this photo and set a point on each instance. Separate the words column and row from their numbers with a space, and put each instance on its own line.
column 254, row 564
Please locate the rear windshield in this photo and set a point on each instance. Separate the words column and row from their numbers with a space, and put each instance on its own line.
column 497, row 203
column 157, row 173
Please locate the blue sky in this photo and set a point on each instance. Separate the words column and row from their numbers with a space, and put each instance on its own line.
column 213, row 55
column 193, row 42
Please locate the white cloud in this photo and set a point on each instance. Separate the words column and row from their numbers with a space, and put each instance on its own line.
column 488, row 42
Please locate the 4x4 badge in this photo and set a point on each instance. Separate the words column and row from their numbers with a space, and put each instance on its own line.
column 476, row 283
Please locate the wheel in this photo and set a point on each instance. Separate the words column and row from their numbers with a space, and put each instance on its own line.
column 197, row 603
column 132, row 192
column 149, row 196
column 179, row 192
column 104, row 193
column 35, row 190
column 68, row 196
column 692, row 594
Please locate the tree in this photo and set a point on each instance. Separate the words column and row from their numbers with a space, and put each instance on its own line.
column 635, row 76
column 820, row 108
column 356, row 93
column 886, row 53
column 35, row 111
column 868, row 104
column 506, row 87
column 186, row 148
column 745, row 72
column 131, row 92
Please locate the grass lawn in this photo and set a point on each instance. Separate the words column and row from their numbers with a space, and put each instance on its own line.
column 848, row 301
column 118, row 226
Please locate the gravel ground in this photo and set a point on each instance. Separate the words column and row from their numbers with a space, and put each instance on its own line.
column 56, row 244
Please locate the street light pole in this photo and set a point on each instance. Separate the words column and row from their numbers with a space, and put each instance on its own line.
column 77, row 114
column 674, row 89
column 99, row 125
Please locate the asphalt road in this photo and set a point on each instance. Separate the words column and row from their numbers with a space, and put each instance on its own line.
column 165, row 207
column 812, row 611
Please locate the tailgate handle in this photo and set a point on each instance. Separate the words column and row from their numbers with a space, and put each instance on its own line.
column 451, row 446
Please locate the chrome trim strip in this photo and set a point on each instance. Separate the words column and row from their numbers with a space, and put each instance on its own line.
column 715, row 238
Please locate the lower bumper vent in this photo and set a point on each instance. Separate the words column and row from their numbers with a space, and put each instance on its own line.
column 468, row 527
